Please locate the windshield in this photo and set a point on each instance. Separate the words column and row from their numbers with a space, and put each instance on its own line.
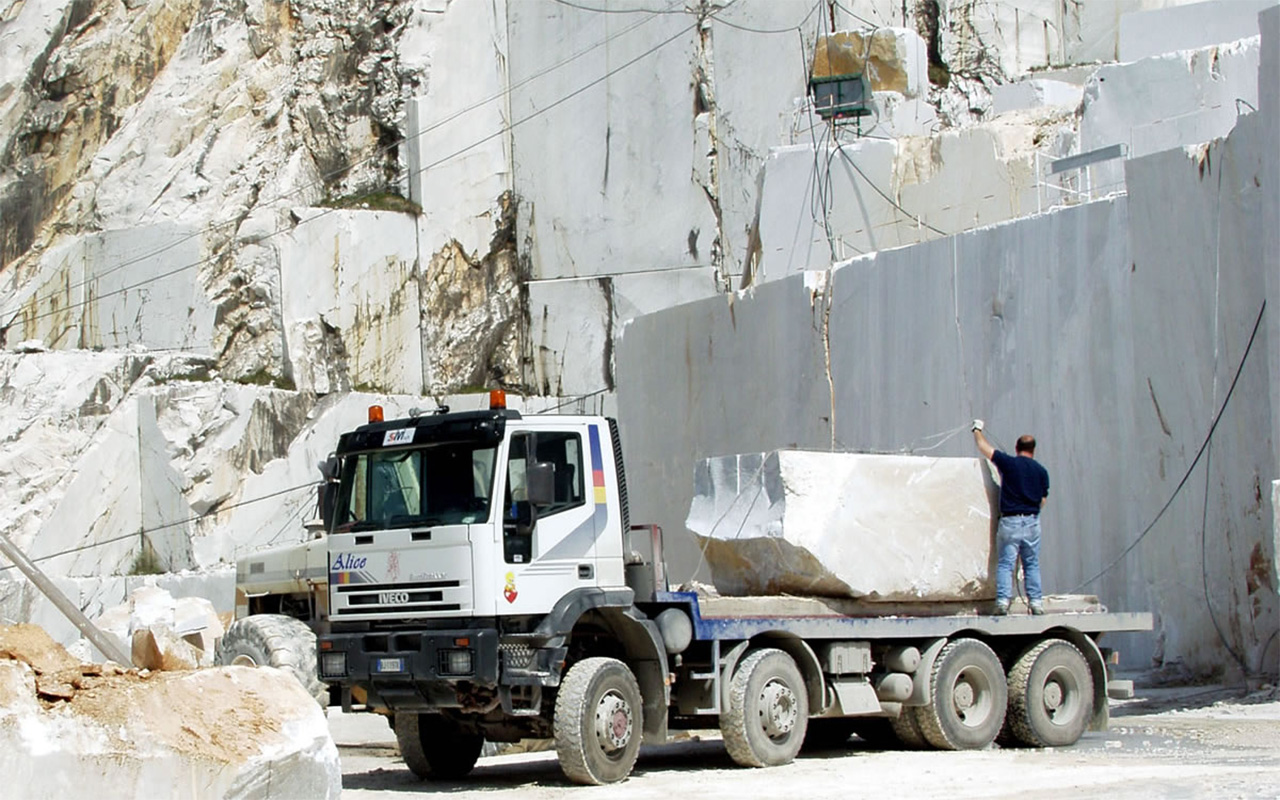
column 448, row 484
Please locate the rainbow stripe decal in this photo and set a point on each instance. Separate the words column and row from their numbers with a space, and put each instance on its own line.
column 597, row 465
column 597, row 479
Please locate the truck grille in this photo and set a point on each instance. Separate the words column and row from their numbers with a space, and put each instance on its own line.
column 397, row 598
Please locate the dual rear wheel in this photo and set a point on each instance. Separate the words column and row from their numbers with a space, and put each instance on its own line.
column 1045, row 699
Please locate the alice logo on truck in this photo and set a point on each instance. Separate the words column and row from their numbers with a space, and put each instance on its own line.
column 349, row 568
column 509, row 590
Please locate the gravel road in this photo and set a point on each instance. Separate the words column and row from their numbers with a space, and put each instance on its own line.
column 1179, row 743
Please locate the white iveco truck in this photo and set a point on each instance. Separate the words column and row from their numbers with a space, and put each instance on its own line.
column 482, row 585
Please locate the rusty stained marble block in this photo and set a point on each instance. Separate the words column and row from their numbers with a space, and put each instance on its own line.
column 875, row 527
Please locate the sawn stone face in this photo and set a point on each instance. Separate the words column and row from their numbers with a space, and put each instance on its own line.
column 875, row 527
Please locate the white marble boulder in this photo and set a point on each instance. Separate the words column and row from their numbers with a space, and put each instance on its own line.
column 69, row 729
column 889, row 528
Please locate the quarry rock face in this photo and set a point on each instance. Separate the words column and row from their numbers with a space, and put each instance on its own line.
column 874, row 527
column 229, row 732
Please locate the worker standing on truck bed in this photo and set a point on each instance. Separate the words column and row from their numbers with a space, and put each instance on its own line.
column 1024, row 486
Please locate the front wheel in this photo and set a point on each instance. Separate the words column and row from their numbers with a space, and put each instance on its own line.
column 1050, row 695
column 435, row 747
column 968, row 697
column 599, row 721
column 765, row 723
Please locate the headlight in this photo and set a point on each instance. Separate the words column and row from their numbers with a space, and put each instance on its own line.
column 333, row 665
column 455, row 662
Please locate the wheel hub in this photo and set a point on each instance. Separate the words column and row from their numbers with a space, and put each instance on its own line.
column 613, row 722
column 963, row 696
column 243, row 661
column 1053, row 696
column 778, row 709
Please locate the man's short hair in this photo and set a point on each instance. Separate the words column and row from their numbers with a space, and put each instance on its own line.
column 1026, row 444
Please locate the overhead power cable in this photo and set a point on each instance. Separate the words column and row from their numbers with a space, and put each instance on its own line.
column 599, row 10
column 325, row 212
column 881, row 192
column 146, row 531
column 738, row 26
column 1199, row 453
column 376, row 154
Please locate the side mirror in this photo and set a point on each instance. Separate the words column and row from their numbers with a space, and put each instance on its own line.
column 540, row 483
column 328, row 502
column 329, row 468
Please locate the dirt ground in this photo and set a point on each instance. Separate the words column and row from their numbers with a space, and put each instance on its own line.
column 1190, row 742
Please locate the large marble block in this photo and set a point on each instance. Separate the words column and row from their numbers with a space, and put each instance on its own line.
column 69, row 729
column 874, row 527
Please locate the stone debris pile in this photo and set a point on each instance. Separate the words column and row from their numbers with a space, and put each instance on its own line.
column 162, row 632
column 227, row 732
column 873, row 527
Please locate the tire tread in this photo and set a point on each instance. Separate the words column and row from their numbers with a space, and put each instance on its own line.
column 1019, row 684
column 931, row 724
column 571, row 703
column 734, row 724
column 276, row 640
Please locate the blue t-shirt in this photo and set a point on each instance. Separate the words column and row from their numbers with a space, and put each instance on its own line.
column 1023, row 484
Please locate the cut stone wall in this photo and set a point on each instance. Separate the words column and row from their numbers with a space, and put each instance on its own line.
column 1167, row 101
column 1147, row 33
column 350, row 301
column 887, row 194
column 1109, row 330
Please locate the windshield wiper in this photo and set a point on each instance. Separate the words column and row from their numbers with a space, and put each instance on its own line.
column 414, row 522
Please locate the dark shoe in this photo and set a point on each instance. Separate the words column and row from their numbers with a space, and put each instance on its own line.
column 1037, row 609
column 1002, row 609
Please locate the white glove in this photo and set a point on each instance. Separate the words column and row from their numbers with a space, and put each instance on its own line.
column 977, row 424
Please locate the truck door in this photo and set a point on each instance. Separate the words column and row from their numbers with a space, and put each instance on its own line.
column 560, row 552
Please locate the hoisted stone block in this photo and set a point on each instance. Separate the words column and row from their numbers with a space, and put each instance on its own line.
column 874, row 527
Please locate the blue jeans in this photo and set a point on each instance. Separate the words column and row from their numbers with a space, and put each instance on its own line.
column 1018, row 536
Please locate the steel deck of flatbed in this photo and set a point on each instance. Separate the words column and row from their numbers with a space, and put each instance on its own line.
column 735, row 618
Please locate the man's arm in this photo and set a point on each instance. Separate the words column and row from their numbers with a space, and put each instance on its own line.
column 980, row 440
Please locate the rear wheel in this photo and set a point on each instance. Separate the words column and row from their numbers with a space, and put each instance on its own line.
column 435, row 747
column 906, row 727
column 599, row 721
column 274, row 640
column 765, row 723
column 968, row 697
column 1050, row 695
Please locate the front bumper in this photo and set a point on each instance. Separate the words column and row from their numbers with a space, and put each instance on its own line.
column 422, row 664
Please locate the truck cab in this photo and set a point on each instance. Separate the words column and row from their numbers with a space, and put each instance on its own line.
column 464, row 550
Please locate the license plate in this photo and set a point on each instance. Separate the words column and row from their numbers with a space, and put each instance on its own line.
column 393, row 598
column 390, row 665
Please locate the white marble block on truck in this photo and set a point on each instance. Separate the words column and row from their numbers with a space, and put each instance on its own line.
column 874, row 527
